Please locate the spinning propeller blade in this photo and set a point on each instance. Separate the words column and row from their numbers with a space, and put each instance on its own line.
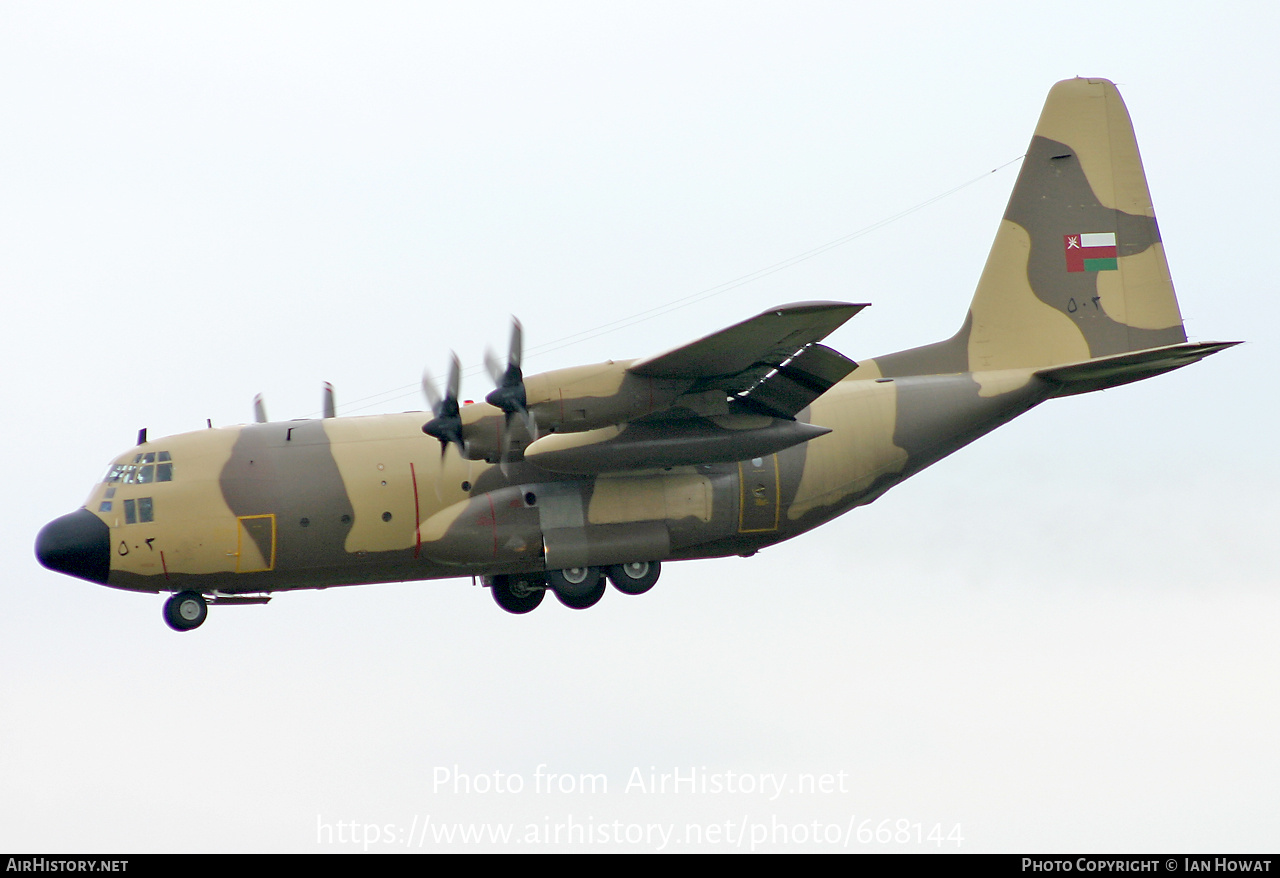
column 330, row 407
column 446, row 426
column 509, row 395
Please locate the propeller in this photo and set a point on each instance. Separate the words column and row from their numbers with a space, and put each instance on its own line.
column 259, row 410
column 509, row 395
column 447, row 423
column 330, row 408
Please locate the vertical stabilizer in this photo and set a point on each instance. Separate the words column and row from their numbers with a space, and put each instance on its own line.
column 1077, row 270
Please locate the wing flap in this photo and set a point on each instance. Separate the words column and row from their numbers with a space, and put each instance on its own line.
column 793, row 385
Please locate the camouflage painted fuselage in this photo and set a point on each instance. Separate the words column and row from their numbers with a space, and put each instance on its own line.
column 306, row 504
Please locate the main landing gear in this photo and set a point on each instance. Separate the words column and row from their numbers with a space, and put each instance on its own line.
column 634, row 578
column 517, row 594
column 186, row 610
column 576, row 587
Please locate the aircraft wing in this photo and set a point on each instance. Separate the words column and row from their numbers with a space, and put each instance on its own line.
column 770, row 364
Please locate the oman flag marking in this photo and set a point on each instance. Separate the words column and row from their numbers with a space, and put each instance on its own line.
column 1095, row 251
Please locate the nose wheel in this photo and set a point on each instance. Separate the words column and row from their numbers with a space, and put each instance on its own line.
column 185, row 610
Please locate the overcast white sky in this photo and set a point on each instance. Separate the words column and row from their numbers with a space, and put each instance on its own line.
column 1060, row 639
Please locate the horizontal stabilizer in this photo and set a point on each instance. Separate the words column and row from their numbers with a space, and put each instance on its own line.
column 1104, row 372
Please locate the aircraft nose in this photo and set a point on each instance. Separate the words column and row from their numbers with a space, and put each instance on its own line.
column 78, row 544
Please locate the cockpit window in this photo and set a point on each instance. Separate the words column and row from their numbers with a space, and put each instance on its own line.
column 139, row 510
column 152, row 466
column 151, row 457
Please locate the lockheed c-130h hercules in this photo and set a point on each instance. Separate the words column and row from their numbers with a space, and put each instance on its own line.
column 752, row 435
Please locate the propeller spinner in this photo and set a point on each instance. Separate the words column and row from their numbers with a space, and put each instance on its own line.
column 447, row 423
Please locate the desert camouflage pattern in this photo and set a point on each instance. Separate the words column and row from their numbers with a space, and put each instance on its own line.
column 744, row 438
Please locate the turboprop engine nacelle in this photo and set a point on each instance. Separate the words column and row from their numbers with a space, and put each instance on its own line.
column 588, row 397
column 571, row 400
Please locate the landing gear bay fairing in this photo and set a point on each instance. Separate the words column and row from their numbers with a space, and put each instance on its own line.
column 572, row 479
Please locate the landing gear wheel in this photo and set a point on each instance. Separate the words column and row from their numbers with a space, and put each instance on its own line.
column 517, row 594
column 636, row 577
column 584, row 601
column 577, row 587
column 185, row 610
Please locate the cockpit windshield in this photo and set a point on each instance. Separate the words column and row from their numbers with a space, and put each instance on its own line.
column 150, row 466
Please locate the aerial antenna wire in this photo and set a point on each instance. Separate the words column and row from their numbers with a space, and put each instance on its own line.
column 694, row 298
column 711, row 292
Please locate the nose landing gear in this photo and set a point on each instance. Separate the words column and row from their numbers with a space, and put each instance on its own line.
column 186, row 610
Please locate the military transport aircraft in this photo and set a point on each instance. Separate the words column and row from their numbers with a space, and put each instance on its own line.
column 752, row 435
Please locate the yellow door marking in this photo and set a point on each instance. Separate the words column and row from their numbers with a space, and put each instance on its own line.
column 249, row 557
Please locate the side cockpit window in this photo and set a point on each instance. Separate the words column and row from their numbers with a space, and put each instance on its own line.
column 140, row 510
column 148, row 467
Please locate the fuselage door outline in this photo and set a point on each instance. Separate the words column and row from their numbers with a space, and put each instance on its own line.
column 255, row 543
column 758, row 505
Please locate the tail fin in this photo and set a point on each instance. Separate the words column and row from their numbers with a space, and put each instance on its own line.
column 1077, row 270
